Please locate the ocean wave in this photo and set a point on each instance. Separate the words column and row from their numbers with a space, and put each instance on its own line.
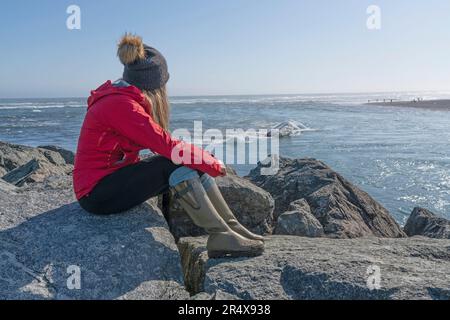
column 270, row 100
column 252, row 100
column 291, row 128
column 17, row 103
column 38, row 107
column 287, row 128
column 245, row 137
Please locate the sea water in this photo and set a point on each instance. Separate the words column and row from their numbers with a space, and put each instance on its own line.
column 400, row 156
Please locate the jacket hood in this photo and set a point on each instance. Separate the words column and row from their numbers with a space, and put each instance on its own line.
column 108, row 88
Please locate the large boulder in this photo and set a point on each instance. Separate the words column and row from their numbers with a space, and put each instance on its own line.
column 67, row 155
column 252, row 206
column 344, row 210
column 21, row 164
column 423, row 222
column 47, row 243
column 322, row 268
column 299, row 221
column 35, row 171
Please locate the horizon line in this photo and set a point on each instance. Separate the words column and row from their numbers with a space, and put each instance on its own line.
column 250, row 95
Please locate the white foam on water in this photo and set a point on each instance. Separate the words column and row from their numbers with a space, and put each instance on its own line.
column 38, row 107
column 246, row 137
column 286, row 128
column 291, row 128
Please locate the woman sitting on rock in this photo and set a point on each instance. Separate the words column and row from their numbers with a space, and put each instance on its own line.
column 130, row 115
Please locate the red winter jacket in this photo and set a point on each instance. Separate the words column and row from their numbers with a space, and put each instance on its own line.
column 116, row 127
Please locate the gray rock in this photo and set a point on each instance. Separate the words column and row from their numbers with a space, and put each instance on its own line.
column 202, row 296
column 222, row 295
column 299, row 221
column 300, row 205
column 230, row 170
column 425, row 223
column 45, row 236
column 20, row 164
column 13, row 155
column 35, row 171
column 20, row 204
column 324, row 268
column 343, row 210
column 6, row 187
column 218, row 295
column 68, row 156
column 252, row 206
column 179, row 222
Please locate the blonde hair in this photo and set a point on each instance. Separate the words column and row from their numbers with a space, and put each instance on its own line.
column 160, row 106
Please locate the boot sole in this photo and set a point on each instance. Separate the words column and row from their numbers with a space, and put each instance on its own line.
column 235, row 254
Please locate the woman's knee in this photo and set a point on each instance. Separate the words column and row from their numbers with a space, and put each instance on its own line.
column 175, row 173
column 207, row 181
column 182, row 174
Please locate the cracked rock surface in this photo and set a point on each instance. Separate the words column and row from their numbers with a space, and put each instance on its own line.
column 343, row 209
column 52, row 249
column 321, row 268
column 127, row 256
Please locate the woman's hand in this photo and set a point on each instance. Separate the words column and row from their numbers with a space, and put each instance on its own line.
column 223, row 171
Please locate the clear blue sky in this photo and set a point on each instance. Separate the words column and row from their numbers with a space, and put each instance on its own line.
column 229, row 46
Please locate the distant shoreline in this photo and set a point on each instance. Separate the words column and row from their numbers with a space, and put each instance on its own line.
column 441, row 105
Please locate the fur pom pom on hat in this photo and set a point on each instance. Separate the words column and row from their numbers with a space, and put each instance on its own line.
column 144, row 66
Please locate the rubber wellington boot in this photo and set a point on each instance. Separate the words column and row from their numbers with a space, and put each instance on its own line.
column 214, row 194
column 222, row 240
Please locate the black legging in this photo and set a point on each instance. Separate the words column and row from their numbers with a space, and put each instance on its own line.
column 130, row 186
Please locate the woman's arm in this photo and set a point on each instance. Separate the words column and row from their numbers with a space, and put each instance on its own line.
column 129, row 119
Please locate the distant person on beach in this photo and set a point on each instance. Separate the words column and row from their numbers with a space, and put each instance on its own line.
column 130, row 115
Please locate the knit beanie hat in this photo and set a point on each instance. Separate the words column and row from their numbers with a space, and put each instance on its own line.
column 144, row 66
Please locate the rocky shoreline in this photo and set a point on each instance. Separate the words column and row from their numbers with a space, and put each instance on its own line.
column 437, row 105
column 326, row 239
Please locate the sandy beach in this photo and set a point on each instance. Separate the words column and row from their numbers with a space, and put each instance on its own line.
column 443, row 105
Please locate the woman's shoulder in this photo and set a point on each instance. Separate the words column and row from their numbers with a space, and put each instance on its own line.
column 115, row 93
column 117, row 100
